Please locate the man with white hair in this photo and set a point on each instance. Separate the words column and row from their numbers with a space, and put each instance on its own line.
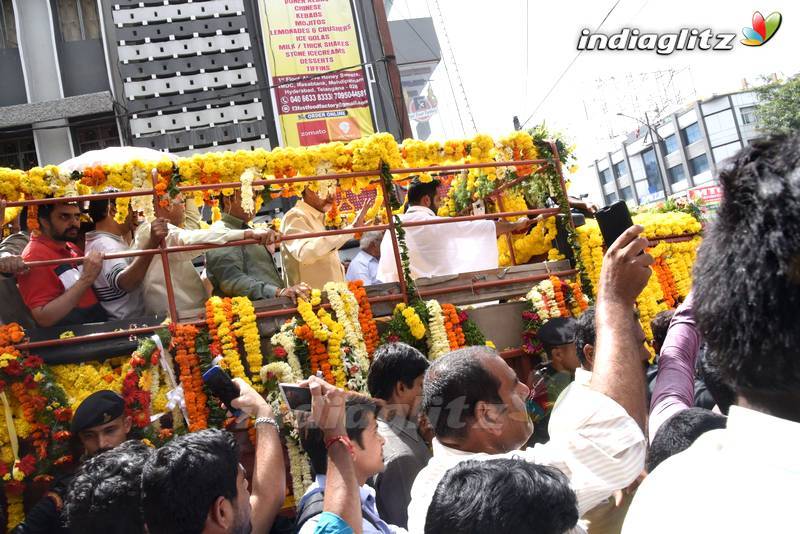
column 365, row 265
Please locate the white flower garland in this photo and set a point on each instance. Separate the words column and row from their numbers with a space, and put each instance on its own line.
column 438, row 344
column 345, row 305
column 299, row 467
column 247, row 178
column 285, row 338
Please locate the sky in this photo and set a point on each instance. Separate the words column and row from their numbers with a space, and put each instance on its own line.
column 510, row 54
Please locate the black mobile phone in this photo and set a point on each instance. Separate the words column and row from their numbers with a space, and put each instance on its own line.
column 296, row 398
column 613, row 220
column 222, row 387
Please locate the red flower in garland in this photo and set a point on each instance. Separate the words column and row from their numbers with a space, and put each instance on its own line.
column 13, row 368
column 66, row 459
column 63, row 415
column 14, row 487
column 33, row 362
column 29, row 382
column 279, row 352
column 3, row 385
column 27, row 464
column 62, row 435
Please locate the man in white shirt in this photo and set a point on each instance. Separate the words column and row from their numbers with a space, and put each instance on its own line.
column 189, row 290
column 443, row 249
column 476, row 403
column 118, row 286
column 365, row 265
column 746, row 295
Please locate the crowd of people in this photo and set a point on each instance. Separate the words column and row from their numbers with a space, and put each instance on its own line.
column 610, row 461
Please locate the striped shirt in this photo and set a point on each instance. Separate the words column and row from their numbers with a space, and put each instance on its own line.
column 118, row 303
column 593, row 441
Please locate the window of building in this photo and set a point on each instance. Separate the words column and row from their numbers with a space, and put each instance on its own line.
column 676, row 174
column 691, row 134
column 654, row 184
column 611, row 198
column 78, row 19
column 18, row 152
column 605, row 176
column 698, row 164
column 8, row 26
column 670, row 144
column 621, row 168
column 748, row 115
column 626, row 193
column 96, row 136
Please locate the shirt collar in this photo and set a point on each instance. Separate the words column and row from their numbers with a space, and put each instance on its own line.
column 582, row 376
column 90, row 236
column 420, row 209
column 365, row 492
column 774, row 438
column 53, row 245
column 233, row 222
column 309, row 210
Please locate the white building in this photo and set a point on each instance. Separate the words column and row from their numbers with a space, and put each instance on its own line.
column 689, row 146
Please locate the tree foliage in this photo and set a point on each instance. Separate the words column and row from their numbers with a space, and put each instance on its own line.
column 779, row 110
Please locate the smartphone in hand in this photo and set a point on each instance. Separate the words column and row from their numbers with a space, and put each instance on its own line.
column 222, row 387
column 296, row 398
column 613, row 220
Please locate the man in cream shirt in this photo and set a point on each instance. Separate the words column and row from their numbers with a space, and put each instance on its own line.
column 314, row 261
column 189, row 290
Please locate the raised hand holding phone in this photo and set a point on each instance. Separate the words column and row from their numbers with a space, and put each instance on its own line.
column 222, row 387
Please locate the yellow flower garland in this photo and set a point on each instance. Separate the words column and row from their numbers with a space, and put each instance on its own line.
column 247, row 330
column 335, row 338
column 230, row 356
column 413, row 320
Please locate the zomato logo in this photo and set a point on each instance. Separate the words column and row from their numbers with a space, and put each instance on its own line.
column 662, row 43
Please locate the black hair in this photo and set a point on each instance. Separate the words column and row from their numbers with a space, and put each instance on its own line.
column 182, row 480
column 659, row 325
column 747, row 273
column 313, row 442
column 418, row 190
column 104, row 495
column 722, row 393
column 393, row 363
column 98, row 209
column 502, row 496
column 678, row 433
column 453, row 386
column 585, row 333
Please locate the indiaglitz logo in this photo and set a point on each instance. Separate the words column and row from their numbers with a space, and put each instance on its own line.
column 763, row 29
column 681, row 39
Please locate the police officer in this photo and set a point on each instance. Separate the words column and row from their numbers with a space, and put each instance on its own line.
column 100, row 424
column 558, row 338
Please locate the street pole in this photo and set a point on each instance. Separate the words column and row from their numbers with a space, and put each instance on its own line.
column 655, row 153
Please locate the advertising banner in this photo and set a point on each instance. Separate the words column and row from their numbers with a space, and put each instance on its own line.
column 320, row 93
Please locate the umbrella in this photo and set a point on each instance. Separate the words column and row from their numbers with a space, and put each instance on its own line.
column 114, row 154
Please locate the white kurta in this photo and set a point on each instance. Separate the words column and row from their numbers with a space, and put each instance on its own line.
column 442, row 249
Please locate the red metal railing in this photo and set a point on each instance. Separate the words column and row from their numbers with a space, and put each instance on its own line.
column 164, row 251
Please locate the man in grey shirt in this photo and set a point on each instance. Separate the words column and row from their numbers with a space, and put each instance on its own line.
column 395, row 377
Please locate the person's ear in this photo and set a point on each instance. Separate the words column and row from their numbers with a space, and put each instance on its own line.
column 220, row 515
column 128, row 423
column 588, row 353
column 489, row 417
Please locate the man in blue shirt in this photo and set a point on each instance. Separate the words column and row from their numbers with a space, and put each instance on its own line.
column 365, row 265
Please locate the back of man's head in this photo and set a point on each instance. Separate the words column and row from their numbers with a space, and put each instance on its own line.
column 185, row 477
column 454, row 384
column 659, row 326
column 418, row 190
column 678, row 433
column 358, row 408
column 585, row 334
column 747, row 274
column 503, row 496
column 370, row 240
column 393, row 363
column 722, row 393
column 104, row 496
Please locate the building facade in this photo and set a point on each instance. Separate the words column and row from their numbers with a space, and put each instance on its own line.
column 176, row 75
column 685, row 152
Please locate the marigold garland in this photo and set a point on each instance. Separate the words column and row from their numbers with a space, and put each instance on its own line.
column 455, row 334
column 368, row 327
column 247, row 330
column 191, row 379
